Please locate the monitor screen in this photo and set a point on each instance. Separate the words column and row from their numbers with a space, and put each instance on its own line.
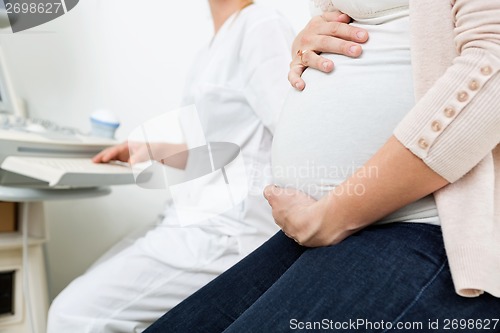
column 6, row 103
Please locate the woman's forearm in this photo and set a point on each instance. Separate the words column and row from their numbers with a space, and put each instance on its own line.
column 393, row 178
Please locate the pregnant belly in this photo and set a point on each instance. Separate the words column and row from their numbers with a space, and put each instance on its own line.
column 341, row 119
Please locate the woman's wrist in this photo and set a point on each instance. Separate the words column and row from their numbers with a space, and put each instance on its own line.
column 336, row 218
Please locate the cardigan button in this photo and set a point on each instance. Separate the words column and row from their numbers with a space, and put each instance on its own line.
column 462, row 96
column 486, row 70
column 422, row 143
column 449, row 112
column 473, row 85
column 436, row 126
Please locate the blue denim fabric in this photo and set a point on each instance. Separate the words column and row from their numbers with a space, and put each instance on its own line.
column 375, row 280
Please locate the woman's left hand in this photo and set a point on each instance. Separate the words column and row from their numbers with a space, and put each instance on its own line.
column 329, row 33
column 303, row 218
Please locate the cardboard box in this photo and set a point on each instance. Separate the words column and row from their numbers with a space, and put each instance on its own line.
column 8, row 216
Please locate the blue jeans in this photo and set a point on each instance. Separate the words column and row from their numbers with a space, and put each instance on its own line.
column 385, row 278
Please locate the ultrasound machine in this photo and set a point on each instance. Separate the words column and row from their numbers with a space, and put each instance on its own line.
column 40, row 153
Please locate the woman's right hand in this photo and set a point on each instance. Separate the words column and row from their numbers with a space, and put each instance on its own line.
column 330, row 33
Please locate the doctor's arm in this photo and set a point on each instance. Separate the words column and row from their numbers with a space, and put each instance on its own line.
column 174, row 155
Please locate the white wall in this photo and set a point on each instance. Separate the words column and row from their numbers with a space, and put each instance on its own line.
column 117, row 55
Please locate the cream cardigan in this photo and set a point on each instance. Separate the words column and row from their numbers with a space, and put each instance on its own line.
column 455, row 129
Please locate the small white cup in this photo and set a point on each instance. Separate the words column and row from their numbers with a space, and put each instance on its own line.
column 104, row 123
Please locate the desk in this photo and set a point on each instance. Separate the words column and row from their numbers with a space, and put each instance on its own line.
column 22, row 252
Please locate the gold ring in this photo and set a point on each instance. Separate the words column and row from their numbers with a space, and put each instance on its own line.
column 300, row 53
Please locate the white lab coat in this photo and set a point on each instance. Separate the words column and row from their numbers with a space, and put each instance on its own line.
column 238, row 84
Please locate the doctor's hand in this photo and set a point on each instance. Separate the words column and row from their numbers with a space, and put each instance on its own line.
column 304, row 219
column 124, row 152
column 171, row 154
column 329, row 33
column 119, row 152
column 130, row 152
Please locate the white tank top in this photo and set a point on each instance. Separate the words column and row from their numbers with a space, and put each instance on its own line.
column 364, row 11
column 341, row 119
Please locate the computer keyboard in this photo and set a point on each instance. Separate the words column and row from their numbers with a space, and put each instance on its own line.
column 70, row 172
column 80, row 165
column 34, row 125
column 42, row 151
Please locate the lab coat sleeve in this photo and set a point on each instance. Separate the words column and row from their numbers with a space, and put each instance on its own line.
column 265, row 58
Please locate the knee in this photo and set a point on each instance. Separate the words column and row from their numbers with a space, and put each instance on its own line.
column 71, row 308
column 63, row 306
column 60, row 314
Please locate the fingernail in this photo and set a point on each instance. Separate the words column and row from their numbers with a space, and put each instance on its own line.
column 343, row 17
column 297, row 85
column 325, row 65
column 361, row 34
column 353, row 49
